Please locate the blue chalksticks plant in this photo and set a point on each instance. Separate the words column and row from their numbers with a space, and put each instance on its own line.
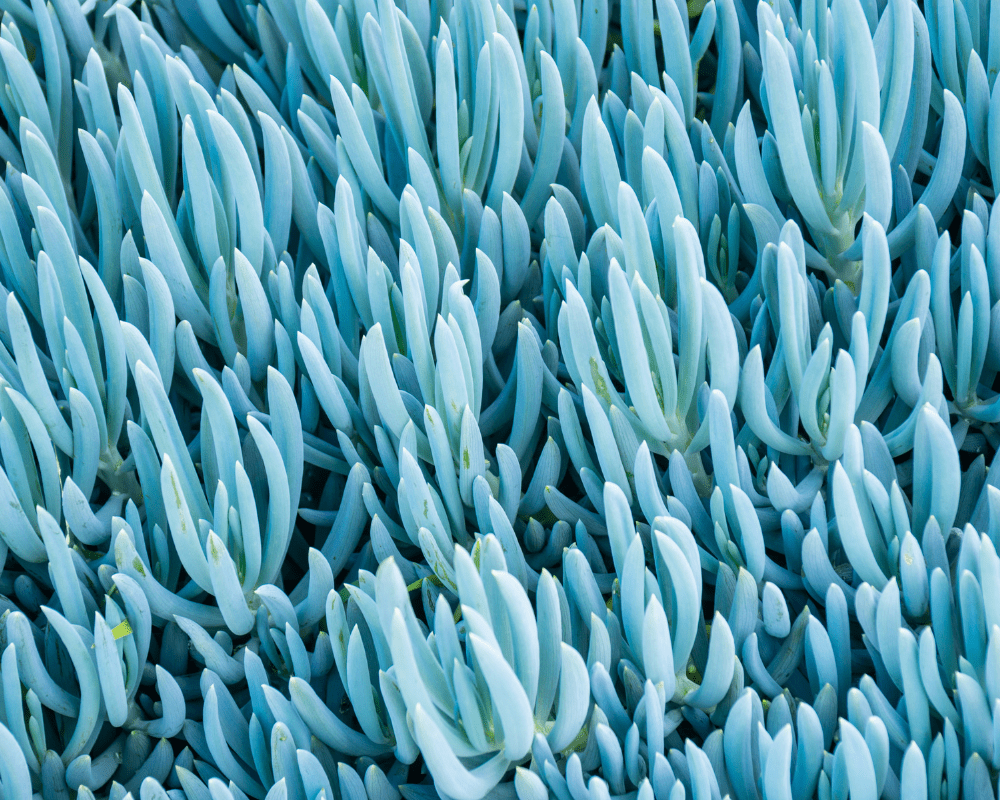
column 463, row 400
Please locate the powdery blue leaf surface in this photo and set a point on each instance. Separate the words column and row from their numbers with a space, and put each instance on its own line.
column 506, row 416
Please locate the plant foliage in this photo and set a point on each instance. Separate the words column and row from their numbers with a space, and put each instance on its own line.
column 470, row 399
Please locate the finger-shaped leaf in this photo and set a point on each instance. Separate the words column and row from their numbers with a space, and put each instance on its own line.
column 944, row 181
column 657, row 655
column 852, row 530
column 550, row 139
column 188, row 288
column 727, row 36
column 369, row 172
column 777, row 772
column 549, row 617
column 674, row 34
column 162, row 602
column 115, row 361
column 482, row 140
column 903, row 67
column 843, row 403
column 878, row 176
column 361, row 690
column 226, row 587
column 511, row 132
column 775, row 611
column 784, row 106
column 23, row 78
column 861, row 774
column 200, row 189
column 719, row 668
column 33, row 377
column 17, row 532
column 62, row 569
column 446, row 128
column 574, row 694
column 632, row 577
column 448, row 772
column 751, row 535
column 256, row 315
column 15, row 722
column 524, row 632
column 383, row 382
column 685, row 605
column 936, row 472
column 236, row 167
column 214, row 656
column 90, row 692
column 182, row 525
column 913, row 773
column 279, row 529
column 322, row 380
column 638, row 376
column 721, row 347
column 993, row 138
column 820, row 660
column 14, row 769
column 599, row 166
column 109, row 668
column 398, row 67
column 690, row 311
column 220, row 751
column 528, row 399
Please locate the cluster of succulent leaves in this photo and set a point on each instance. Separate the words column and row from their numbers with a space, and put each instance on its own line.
column 464, row 399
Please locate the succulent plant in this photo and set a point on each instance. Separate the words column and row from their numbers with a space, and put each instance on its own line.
column 463, row 399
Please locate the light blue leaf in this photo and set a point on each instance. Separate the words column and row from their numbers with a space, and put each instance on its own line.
column 226, row 587
column 14, row 770
column 63, row 573
column 219, row 748
column 657, row 655
column 33, row 377
column 35, row 444
column 674, row 35
column 936, row 472
column 777, row 772
column 448, row 772
column 852, row 530
column 510, row 136
column 190, row 549
column 785, row 115
column 446, row 128
column 278, row 193
column 878, row 176
column 574, row 693
column 90, row 693
column 369, row 172
column 17, row 533
column 690, row 312
column 109, row 669
column 550, row 140
column 528, row 399
column 599, row 167
column 774, row 610
column 943, row 182
column 861, row 774
column 635, row 235
column 727, row 37
column 685, row 590
column 903, row 67
column 721, row 345
column 719, row 668
column 15, row 723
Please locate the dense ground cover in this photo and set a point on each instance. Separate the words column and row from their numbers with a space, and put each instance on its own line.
column 464, row 399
